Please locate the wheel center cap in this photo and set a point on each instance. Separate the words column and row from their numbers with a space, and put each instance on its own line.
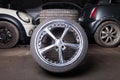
column 109, row 34
column 59, row 42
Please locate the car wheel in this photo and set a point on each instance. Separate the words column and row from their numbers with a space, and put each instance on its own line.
column 108, row 34
column 9, row 35
column 59, row 45
column 62, row 13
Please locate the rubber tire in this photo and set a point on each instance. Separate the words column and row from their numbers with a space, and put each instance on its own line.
column 62, row 13
column 14, row 32
column 97, row 34
column 61, row 69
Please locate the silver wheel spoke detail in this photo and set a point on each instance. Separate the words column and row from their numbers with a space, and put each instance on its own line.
column 111, row 30
column 60, row 56
column 50, row 34
column 103, row 37
column 107, row 29
column 109, row 34
column 76, row 46
column 110, row 39
column 114, row 32
column 65, row 32
column 113, row 36
column 103, row 32
column 46, row 48
column 107, row 40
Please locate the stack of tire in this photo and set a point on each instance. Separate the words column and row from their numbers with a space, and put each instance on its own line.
column 59, row 13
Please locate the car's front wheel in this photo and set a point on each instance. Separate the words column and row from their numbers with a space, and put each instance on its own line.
column 9, row 34
column 59, row 45
column 108, row 34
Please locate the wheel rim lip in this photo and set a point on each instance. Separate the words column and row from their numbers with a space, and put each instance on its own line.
column 76, row 55
column 114, row 40
column 6, row 35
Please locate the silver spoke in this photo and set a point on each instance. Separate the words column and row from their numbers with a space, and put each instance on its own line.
column 107, row 40
column 50, row 34
column 60, row 56
column 103, row 32
column 111, row 30
column 72, row 45
column 103, row 37
column 113, row 36
column 110, row 39
column 107, row 29
column 65, row 32
column 46, row 48
column 114, row 32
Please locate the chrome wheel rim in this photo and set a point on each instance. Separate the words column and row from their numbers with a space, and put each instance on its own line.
column 109, row 34
column 58, row 43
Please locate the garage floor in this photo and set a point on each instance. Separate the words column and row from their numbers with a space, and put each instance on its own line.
column 101, row 64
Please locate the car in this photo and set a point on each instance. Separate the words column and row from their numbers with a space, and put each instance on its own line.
column 102, row 22
column 14, row 26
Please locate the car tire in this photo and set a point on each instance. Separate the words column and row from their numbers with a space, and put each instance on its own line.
column 59, row 45
column 62, row 13
column 9, row 35
column 108, row 34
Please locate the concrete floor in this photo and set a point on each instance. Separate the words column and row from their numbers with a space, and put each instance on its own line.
column 18, row 64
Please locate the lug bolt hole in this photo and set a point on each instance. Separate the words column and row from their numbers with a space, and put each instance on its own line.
column 63, row 47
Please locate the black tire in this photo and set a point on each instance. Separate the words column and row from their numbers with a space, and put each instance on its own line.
column 51, row 61
column 108, row 34
column 62, row 13
column 9, row 35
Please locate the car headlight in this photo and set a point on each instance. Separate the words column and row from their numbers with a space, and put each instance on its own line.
column 23, row 16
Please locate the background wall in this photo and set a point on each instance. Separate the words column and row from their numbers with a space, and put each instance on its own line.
column 23, row 4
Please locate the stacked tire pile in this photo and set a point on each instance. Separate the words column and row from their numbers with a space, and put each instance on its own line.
column 59, row 43
column 59, row 13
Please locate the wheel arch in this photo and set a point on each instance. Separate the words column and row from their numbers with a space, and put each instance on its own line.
column 17, row 23
column 104, row 20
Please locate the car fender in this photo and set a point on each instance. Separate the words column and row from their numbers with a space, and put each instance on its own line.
column 17, row 23
column 98, row 22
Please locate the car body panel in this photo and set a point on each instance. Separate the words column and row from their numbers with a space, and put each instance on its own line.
column 26, row 26
column 105, row 12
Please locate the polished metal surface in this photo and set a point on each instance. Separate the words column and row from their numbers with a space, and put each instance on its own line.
column 59, row 43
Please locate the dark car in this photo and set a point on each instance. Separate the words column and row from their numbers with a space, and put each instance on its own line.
column 102, row 22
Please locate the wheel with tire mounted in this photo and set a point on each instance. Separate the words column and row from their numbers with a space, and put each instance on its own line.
column 59, row 45
column 108, row 34
column 9, row 34
column 62, row 13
